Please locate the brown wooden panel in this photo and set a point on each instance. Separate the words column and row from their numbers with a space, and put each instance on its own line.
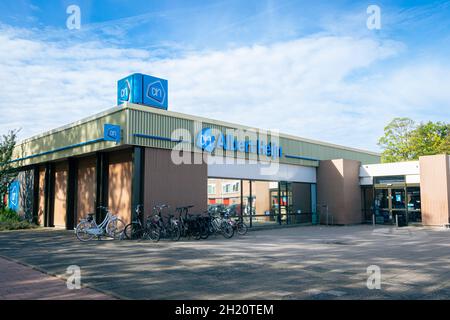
column 86, row 188
column 60, row 200
column 119, row 186
column 435, row 189
column 338, row 187
column 175, row 185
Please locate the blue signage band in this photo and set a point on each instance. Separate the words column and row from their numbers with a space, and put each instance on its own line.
column 111, row 132
column 59, row 149
column 149, row 136
column 300, row 157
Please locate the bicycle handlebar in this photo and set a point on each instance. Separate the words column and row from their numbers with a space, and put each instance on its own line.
column 185, row 207
column 160, row 206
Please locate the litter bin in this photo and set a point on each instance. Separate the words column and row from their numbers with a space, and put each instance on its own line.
column 401, row 220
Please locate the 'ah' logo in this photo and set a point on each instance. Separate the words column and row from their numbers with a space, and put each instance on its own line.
column 155, row 91
column 14, row 196
column 112, row 132
column 125, row 91
column 206, row 140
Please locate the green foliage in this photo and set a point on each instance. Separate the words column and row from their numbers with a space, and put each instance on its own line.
column 429, row 138
column 396, row 142
column 445, row 146
column 16, row 225
column 9, row 215
column 10, row 220
column 404, row 140
column 7, row 175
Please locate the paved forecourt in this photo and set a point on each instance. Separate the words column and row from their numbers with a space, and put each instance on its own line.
column 290, row 263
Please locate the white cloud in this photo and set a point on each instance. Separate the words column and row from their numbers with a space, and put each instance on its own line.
column 319, row 87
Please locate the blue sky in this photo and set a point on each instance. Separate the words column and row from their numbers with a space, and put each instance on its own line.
column 309, row 68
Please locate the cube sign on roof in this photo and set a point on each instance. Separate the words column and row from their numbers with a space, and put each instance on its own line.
column 143, row 89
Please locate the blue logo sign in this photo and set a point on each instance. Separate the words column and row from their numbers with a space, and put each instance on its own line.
column 124, row 91
column 129, row 89
column 206, row 140
column 13, row 199
column 112, row 132
column 143, row 89
column 156, row 92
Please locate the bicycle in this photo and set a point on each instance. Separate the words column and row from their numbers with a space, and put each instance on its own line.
column 238, row 225
column 137, row 230
column 189, row 224
column 170, row 229
column 111, row 226
column 220, row 225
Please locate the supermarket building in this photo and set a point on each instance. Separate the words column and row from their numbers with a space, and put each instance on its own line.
column 136, row 154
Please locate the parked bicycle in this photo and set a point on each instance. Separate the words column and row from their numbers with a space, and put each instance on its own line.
column 218, row 224
column 88, row 228
column 189, row 224
column 138, row 230
column 169, row 229
column 238, row 225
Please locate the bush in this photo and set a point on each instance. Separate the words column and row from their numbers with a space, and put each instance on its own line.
column 10, row 220
column 9, row 215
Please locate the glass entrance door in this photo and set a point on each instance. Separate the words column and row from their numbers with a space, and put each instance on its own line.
column 398, row 206
column 390, row 206
column 382, row 207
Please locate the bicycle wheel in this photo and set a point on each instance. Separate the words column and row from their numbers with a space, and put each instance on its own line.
column 204, row 230
column 196, row 232
column 175, row 233
column 81, row 231
column 115, row 228
column 242, row 228
column 227, row 229
column 153, row 233
column 133, row 231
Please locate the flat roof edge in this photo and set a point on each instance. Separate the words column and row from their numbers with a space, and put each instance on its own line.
column 229, row 124
column 176, row 114
column 95, row 116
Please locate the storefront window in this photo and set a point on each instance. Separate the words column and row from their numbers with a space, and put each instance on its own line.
column 262, row 202
column 414, row 204
column 264, row 211
column 224, row 195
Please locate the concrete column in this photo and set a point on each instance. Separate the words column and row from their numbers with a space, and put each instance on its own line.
column 338, row 187
column 435, row 189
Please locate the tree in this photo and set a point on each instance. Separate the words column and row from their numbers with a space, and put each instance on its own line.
column 7, row 175
column 403, row 140
column 396, row 142
column 430, row 138
column 445, row 146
